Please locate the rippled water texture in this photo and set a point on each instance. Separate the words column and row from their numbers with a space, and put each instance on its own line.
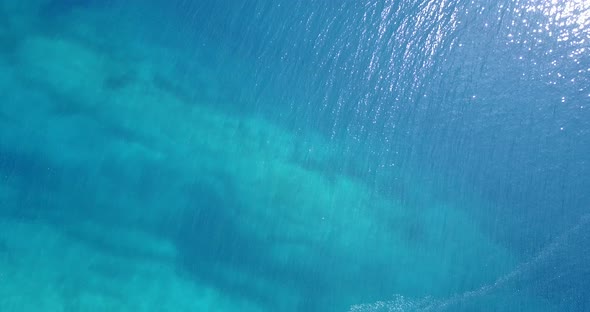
column 294, row 155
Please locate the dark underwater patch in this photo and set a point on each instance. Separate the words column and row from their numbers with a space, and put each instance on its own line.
column 56, row 7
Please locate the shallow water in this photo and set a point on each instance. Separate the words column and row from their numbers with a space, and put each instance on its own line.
column 294, row 156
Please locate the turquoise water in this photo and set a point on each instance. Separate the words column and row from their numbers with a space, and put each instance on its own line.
column 294, row 156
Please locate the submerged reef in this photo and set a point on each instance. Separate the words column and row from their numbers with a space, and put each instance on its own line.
column 110, row 157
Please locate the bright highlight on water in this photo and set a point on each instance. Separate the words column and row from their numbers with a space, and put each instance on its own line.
column 414, row 156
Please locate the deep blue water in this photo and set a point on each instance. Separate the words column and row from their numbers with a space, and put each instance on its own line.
column 295, row 156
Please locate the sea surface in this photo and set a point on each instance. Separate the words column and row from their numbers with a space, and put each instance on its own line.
column 258, row 156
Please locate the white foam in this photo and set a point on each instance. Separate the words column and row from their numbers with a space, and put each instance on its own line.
column 403, row 304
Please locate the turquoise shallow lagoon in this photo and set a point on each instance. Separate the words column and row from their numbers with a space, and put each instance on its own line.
column 225, row 156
